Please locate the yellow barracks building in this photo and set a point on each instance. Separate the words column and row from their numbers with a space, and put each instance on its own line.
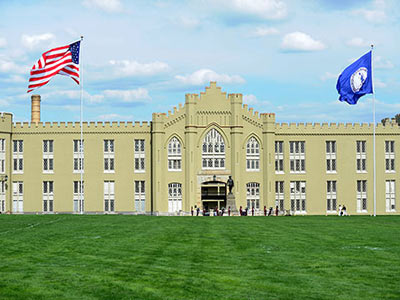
column 183, row 159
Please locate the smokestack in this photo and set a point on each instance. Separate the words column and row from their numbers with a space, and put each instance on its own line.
column 35, row 116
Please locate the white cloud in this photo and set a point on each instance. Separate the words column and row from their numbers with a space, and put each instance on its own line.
column 358, row 42
column 250, row 99
column 375, row 15
column 264, row 9
column 110, row 6
column 128, row 96
column 188, row 22
column 3, row 42
column 16, row 79
column 114, row 117
column 36, row 41
column 264, row 31
column 299, row 41
column 8, row 66
column 134, row 68
column 380, row 63
column 329, row 75
column 204, row 76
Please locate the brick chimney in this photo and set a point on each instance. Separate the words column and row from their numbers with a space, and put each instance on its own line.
column 35, row 115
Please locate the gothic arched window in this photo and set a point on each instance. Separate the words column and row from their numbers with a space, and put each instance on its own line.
column 252, row 155
column 174, row 155
column 213, row 155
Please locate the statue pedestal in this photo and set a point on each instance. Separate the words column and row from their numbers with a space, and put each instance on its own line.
column 230, row 201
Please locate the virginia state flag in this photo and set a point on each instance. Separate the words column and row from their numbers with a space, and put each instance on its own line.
column 356, row 80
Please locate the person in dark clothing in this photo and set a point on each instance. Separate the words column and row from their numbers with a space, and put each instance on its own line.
column 241, row 211
column 252, row 211
column 265, row 211
column 270, row 211
column 229, row 211
column 197, row 211
column 276, row 210
column 191, row 210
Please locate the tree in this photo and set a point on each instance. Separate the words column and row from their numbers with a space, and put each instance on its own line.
column 397, row 117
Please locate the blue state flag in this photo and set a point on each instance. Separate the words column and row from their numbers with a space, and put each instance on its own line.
column 356, row 80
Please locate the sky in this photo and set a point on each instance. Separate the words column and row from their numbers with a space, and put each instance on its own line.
column 140, row 57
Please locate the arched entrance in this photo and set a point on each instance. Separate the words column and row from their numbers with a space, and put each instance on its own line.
column 213, row 194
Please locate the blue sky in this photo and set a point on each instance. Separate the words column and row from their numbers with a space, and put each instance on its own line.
column 141, row 57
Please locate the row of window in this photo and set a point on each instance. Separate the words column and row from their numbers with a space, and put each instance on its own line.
column 78, row 196
column 298, row 196
column 78, row 156
column 297, row 157
column 213, row 155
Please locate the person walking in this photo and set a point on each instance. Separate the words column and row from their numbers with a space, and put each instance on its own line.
column 241, row 211
column 197, row 211
column 265, row 210
column 276, row 211
column 191, row 210
column 229, row 211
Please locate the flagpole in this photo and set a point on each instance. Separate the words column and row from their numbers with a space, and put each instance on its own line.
column 373, row 104
column 81, row 207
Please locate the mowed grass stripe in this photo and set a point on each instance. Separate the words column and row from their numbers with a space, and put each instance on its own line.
column 143, row 257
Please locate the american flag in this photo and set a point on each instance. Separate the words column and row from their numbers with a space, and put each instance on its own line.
column 62, row 60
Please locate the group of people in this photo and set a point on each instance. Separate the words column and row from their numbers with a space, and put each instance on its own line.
column 242, row 212
column 342, row 211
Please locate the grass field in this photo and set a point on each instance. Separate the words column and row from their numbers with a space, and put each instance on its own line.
column 142, row 257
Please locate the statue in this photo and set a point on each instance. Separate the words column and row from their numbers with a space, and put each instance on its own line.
column 230, row 184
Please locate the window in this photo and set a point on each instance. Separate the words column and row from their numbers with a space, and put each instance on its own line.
column 279, row 157
column 297, row 157
column 331, row 201
column 109, row 196
column 18, row 156
column 139, row 156
column 330, row 157
column 390, row 196
column 252, row 155
column 361, row 195
column 79, row 157
column 361, row 156
column 389, row 157
column 48, row 156
column 79, row 196
column 2, row 156
column 253, row 195
column 174, row 197
column 2, row 196
column 298, row 196
column 279, row 195
column 48, row 196
column 140, row 196
column 108, row 156
column 174, row 155
column 18, row 197
column 213, row 152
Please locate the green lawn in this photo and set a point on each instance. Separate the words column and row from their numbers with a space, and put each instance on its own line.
column 142, row 257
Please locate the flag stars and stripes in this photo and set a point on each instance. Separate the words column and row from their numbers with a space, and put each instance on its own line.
column 62, row 60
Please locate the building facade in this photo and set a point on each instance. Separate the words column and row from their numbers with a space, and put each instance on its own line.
column 183, row 159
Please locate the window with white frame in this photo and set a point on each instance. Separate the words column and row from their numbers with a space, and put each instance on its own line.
column 361, row 156
column 279, row 195
column 213, row 152
column 174, row 155
column 298, row 196
column 252, row 155
column 2, row 196
column 18, row 197
column 140, row 196
column 48, row 196
column 174, row 197
column 331, row 201
column 109, row 196
column 330, row 156
column 297, row 157
column 2, row 156
column 18, row 156
column 79, row 196
column 389, row 157
column 139, row 155
column 109, row 156
column 279, row 157
column 48, row 156
column 79, row 157
column 253, row 195
column 390, row 195
column 361, row 195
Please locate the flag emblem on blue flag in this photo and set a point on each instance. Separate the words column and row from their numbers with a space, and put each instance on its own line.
column 356, row 80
